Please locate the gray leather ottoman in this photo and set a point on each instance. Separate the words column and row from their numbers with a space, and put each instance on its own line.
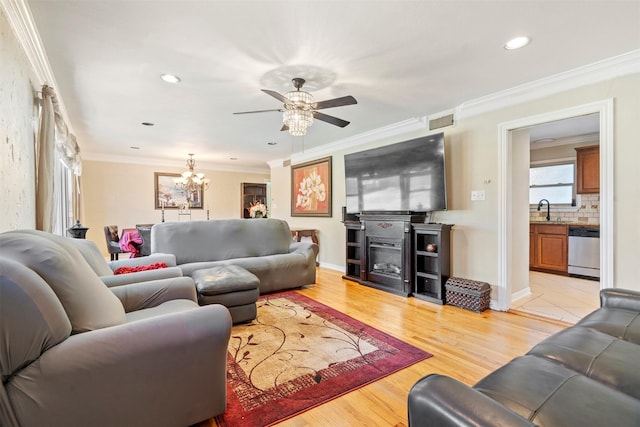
column 229, row 285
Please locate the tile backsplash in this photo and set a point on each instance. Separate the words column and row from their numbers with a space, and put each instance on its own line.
column 587, row 210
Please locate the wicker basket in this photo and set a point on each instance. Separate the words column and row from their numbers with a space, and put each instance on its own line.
column 470, row 294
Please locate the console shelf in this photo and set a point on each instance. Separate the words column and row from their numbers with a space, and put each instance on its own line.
column 431, row 268
column 354, row 243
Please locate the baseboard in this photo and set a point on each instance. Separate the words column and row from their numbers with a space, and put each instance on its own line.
column 520, row 294
column 340, row 268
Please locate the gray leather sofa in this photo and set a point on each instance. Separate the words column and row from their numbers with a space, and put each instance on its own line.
column 77, row 353
column 262, row 246
column 585, row 375
column 105, row 269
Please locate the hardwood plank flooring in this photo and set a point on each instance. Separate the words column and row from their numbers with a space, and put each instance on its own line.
column 464, row 344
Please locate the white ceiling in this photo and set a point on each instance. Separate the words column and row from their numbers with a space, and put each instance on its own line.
column 399, row 59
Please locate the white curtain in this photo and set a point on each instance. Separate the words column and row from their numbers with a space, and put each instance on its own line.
column 55, row 145
column 45, row 214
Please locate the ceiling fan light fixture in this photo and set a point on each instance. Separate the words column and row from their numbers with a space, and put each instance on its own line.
column 297, row 121
column 297, row 115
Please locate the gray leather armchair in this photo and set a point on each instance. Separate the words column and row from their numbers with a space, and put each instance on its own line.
column 76, row 353
column 105, row 270
column 585, row 375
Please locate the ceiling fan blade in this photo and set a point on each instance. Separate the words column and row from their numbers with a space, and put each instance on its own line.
column 330, row 119
column 276, row 95
column 337, row 102
column 258, row 111
column 284, row 127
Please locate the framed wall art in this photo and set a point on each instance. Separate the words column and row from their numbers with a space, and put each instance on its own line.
column 168, row 195
column 311, row 188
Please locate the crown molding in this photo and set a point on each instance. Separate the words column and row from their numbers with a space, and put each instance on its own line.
column 394, row 129
column 617, row 66
column 25, row 30
column 148, row 161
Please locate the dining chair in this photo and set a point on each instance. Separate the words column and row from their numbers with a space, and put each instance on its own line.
column 111, row 236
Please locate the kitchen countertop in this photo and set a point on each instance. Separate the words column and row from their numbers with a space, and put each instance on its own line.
column 573, row 224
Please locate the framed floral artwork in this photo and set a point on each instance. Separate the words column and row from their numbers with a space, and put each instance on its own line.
column 311, row 188
column 168, row 195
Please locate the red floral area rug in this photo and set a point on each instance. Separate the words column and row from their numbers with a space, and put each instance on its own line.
column 298, row 354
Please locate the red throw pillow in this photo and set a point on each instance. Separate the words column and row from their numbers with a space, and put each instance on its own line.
column 127, row 269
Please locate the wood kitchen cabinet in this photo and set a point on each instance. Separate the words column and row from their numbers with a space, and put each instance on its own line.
column 548, row 248
column 588, row 169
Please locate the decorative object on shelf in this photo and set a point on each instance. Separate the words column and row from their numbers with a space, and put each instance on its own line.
column 311, row 188
column 432, row 247
column 257, row 210
column 169, row 196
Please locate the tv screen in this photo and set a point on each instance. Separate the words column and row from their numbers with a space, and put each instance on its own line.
column 407, row 177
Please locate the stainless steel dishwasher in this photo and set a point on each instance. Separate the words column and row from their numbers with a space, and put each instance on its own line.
column 584, row 252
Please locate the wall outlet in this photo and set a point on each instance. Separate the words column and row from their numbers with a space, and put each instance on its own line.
column 477, row 195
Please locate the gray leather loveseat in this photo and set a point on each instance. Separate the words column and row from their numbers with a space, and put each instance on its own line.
column 262, row 246
column 585, row 375
column 74, row 352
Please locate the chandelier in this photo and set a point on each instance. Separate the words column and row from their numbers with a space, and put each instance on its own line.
column 190, row 181
column 298, row 115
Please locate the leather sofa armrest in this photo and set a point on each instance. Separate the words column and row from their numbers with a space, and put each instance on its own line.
column 138, row 296
column 138, row 373
column 438, row 400
column 169, row 259
column 625, row 299
column 141, row 276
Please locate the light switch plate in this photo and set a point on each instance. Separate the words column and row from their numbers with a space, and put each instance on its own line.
column 477, row 195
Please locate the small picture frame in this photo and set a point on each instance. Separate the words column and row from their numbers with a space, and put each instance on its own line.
column 168, row 195
column 311, row 188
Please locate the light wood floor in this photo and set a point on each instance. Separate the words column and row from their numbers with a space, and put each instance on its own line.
column 464, row 344
column 563, row 298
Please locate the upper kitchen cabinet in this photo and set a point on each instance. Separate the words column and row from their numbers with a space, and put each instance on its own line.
column 588, row 169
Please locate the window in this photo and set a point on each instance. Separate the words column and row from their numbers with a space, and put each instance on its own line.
column 555, row 183
column 62, row 196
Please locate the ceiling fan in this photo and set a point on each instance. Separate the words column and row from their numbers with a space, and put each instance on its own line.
column 300, row 110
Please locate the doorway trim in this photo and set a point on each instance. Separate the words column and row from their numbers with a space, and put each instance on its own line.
column 505, row 213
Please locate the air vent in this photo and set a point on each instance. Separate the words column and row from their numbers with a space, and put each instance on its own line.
column 440, row 122
column 286, row 162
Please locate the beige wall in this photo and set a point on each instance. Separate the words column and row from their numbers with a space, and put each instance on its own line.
column 472, row 164
column 18, row 118
column 123, row 195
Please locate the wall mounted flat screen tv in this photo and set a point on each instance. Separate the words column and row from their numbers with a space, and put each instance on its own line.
column 406, row 177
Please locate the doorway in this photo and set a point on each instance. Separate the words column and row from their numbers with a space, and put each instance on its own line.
column 513, row 268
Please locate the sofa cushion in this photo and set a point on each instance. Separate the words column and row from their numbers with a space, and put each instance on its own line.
column 549, row 394
column 215, row 240
column 617, row 322
column 87, row 301
column 32, row 320
column 604, row 358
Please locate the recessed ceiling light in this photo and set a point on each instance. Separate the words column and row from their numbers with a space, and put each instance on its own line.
column 170, row 78
column 134, row 148
column 517, row 43
column 271, row 143
column 147, row 124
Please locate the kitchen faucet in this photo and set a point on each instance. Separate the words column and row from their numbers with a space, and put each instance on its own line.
column 548, row 208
